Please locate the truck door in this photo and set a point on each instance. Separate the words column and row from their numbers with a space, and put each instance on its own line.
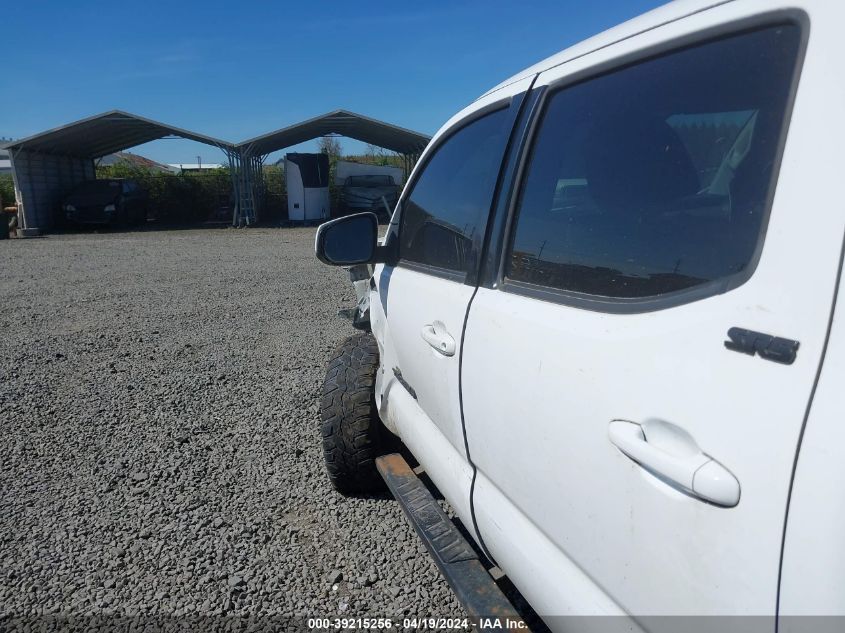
column 442, row 219
column 636, row 374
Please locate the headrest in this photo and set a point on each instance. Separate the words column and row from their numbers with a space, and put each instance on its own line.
column 637, row 163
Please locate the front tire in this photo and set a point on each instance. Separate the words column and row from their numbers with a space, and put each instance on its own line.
column 352, row 430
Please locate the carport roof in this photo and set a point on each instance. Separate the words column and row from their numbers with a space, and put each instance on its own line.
column 344, row 123
column 104, row 134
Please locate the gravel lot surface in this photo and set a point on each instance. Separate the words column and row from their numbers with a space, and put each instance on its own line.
column 160, row 452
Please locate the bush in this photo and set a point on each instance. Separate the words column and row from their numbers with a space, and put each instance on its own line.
column 187, row 197
column 7, row 190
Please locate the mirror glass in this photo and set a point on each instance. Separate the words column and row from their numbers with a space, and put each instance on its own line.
column 351, row 240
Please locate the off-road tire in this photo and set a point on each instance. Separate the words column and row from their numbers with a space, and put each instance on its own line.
column 352, row 430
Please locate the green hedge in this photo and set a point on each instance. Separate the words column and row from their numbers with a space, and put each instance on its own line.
column 7, row 190
column 188, row 197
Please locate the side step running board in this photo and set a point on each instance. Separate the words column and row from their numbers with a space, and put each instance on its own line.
column 473, row 586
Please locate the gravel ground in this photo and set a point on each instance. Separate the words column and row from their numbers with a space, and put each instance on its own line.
column 160, row 455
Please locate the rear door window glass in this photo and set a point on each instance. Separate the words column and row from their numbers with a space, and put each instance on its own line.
column 655, row 178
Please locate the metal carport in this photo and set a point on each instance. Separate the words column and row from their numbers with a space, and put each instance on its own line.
column 406, row 142
column 342, row 123
column 47, row 165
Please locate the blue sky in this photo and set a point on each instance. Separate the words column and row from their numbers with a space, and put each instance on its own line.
column 234, row 70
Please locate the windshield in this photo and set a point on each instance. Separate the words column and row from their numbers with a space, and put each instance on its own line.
column 369, row 181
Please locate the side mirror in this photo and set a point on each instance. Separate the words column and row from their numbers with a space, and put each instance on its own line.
column 348, row 241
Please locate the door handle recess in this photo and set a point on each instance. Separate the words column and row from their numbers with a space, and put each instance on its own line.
column 435, row 334
column 689, row 468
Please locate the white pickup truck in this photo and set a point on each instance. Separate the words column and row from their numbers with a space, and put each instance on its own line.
column 605, row 321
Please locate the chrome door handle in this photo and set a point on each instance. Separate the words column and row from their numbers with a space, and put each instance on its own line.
column 435, row 334
column 686, row 465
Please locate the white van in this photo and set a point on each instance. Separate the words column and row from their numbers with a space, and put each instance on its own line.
column 604, row 319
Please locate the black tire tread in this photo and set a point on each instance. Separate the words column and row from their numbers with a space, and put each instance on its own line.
column 351, row 427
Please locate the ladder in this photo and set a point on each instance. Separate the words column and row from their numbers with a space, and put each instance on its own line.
column 243, row 182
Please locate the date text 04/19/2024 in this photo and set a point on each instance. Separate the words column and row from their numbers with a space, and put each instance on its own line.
column 412, row 623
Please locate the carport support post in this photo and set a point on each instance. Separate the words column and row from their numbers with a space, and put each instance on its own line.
column 246, row 177
column 247, row 199
column 410, row 161
column 252, row 184
column 240, row 168
column 233, row 174
column 18, row 193
column 258, row 185
column 240, row 177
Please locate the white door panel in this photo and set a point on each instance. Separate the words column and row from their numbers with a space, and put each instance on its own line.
column 545, row 575
column 415, row 302
column 813, row 572
column 814, row 559
column 544, row 443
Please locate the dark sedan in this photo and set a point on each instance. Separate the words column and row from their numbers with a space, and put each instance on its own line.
column 109, row 201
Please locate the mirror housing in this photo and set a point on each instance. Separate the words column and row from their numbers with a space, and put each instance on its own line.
column 349, row 240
